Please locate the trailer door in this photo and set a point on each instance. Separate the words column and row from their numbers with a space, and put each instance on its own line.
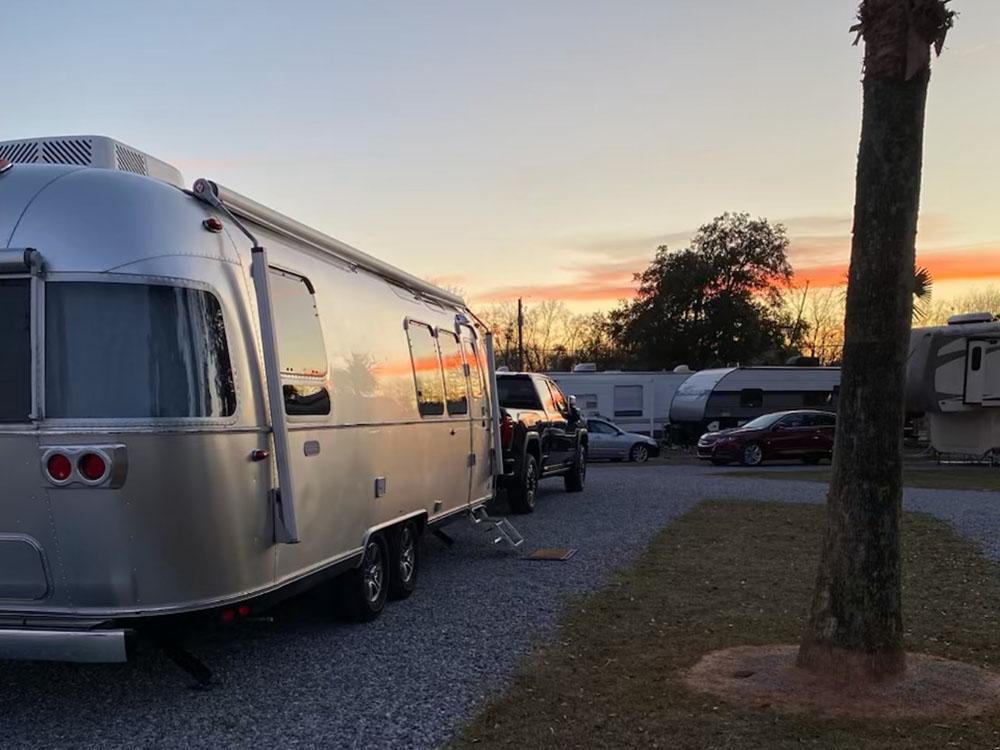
column 481, row 476
column 975, row 371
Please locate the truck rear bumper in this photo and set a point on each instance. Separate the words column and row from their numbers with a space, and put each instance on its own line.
column 35, row 644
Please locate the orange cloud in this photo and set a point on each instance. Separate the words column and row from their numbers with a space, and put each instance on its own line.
column 613, row 281
column 601, row 282
column 965, row 264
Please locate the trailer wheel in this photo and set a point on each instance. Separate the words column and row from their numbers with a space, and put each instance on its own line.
column 577, row 475
column 522, row 497
column 368, row 584
column 405, row 560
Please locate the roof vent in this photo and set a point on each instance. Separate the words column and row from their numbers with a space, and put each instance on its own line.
column 89, row 151
column 682, row 369
column 585, row 367
column 957, row 320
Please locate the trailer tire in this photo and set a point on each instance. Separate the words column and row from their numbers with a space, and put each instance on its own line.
column 405, row 555
column 522, row 497
column 577, row 475
column 367, row 585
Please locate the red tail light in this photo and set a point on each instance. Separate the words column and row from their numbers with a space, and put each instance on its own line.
column 92, row 467
column 59, row 467
column 506, row 431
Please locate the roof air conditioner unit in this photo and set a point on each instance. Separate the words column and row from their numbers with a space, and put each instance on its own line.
column 89, row 151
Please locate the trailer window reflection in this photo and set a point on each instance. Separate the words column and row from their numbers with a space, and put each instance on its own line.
column 454, row 374
column 301, row 350
column 135, row 351
column 426, row 370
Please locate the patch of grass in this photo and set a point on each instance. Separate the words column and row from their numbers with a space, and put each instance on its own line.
column 931, row 477
column 728, row 574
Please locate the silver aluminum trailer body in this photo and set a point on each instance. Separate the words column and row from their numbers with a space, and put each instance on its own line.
column 636, row 401
column 953, row 379
column 716, row 399
column 141, row 345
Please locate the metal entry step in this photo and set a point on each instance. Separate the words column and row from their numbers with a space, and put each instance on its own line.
column 502, row 529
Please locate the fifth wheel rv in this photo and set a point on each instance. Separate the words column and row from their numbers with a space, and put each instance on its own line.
column 193, row 425
column 953, row 379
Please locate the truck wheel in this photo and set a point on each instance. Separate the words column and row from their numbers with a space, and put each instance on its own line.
column 368, row 584
column 577, row 475
column 522, row 497
column 405, row 550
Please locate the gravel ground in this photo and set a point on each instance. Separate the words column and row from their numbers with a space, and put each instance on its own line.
column 410, row 678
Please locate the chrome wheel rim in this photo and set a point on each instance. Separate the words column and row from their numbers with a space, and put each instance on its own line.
column 530, row 485
column 407, row 554
column 752, row 454
column 640, row 454
column 374, row 573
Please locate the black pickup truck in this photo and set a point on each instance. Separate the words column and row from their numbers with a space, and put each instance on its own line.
column 543, row 435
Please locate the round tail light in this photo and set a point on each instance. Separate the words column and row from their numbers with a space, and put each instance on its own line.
column 92, row 467
column 58, row 467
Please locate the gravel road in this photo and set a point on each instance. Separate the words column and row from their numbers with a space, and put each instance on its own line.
column 410, row 678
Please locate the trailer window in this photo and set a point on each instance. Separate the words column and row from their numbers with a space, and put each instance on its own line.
column 454, row 374
column 426, row 370
column 135, row 351
column 15, row 350
column 751, row 398
column 301, row 350
column 977, row 358
column 475, row 372
column 628, row 400
column 816, row 398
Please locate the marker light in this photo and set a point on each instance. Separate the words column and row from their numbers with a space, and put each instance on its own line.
column 212, row 224
column 5, row 165
column 92, row 467
column 59, row 467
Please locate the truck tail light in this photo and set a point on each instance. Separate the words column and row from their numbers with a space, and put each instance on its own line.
column 506, row 431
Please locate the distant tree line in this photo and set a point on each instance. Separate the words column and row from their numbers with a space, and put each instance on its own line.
column 726, row 299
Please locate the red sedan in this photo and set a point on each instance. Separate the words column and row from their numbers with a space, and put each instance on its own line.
column 805, row 435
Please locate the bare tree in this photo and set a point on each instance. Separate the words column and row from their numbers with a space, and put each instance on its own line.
column 855, row 626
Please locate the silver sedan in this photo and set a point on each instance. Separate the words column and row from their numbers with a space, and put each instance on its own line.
column 608, row 441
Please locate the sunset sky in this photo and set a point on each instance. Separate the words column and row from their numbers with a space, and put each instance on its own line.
column 511, row 148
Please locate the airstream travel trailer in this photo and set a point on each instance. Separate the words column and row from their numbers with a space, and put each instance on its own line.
column 712, row 400
column 953, row 379
column 636, row 401
column 192, row 423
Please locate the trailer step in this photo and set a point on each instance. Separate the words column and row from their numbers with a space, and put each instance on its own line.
column 502, row 529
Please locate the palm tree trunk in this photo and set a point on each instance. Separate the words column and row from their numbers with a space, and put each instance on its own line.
column 855, row 627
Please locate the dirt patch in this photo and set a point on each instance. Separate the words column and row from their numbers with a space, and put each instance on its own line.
column 766, row 676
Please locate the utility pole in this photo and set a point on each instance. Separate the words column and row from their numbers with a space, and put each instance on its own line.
column 520, row 336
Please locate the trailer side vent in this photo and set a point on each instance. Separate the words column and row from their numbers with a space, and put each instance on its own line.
column 22, row 152
column 67, row 152
column 130, row 160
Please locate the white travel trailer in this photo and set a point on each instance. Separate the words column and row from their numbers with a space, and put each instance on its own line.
column 636, row 401
column 953, row 379
column 717, row 399
column 192, row 424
